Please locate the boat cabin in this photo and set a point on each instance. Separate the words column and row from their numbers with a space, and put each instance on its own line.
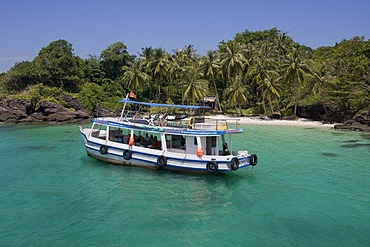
column 172, row 142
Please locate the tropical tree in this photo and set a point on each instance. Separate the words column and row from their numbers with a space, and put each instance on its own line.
column 92, row 70
column 20, row 76
column 57, row 66
column 194, row 87
column 270, row 90
column 160, row 67
column 237, row 93
column 263, row 71
column 210, row 68
column 135, row 77
column 91, row 94
column 232, row 60
column 295, row 69
column 320, row 82
column 114, row 58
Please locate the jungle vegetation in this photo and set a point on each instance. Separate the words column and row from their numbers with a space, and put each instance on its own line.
column 260, row 72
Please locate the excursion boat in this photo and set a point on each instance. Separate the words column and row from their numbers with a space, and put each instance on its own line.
column 194, row 144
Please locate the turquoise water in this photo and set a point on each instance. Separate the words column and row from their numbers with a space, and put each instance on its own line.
column 311, row 187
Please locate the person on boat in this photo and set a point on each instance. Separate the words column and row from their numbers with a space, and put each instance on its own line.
column 139, row 140
column 125, row 139
column 156, row 144
column 146, row 141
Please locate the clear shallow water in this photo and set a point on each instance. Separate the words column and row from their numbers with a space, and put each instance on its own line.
column 311, row 187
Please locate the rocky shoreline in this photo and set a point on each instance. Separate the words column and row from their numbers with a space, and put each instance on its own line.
column 358, row 123
column 22, row 111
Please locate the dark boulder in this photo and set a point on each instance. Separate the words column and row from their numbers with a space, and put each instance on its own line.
column 54, row 112
column 47, row 108
column 15, row 111
column 360, row 122
column 12, row 111
column 275, row 116
column 71, row 102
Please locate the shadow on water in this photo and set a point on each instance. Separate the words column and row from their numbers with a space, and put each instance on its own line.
column 66, row 140
column 366, row 136
column 355, row 145
column 35, row 148
column 300, row 227
column 338, row 133
column 329, row 155
column 352, row 141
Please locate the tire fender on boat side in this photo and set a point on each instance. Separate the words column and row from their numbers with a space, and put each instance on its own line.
column 234, row 164
column 253, row 160
column 103, row 149
column 212, row 166
column 127, row 154
column 161, row 161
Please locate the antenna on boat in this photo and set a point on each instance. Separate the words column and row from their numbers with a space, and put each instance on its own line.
column 123, row 109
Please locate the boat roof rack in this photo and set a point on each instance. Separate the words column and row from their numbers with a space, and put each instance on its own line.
column 163, row 105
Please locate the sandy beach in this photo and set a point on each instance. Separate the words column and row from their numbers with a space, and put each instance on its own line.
column 266, row 121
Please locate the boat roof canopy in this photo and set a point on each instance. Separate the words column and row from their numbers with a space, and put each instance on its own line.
column 162, row 105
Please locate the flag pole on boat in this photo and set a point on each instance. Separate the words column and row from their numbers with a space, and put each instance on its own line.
column 123, row 109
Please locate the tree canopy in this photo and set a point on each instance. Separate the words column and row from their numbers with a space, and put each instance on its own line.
column 260, row 72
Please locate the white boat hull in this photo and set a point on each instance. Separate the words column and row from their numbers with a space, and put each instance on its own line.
column 113, row 153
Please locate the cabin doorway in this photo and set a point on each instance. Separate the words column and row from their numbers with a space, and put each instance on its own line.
column 211, row 145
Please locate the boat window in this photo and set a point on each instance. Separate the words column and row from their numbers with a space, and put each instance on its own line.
column 99, row 131
column 119, row 135
column 175, row 142
column 147, row 139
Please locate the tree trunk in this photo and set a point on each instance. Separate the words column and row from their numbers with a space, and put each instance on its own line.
column 271, row 108
column 217, row 101
column 263, row 103
column 296, row 98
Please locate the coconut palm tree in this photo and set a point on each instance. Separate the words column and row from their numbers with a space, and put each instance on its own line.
column 270, row 89
column 193, row 85
column 295, row 70
column 160, row 68
column 135, row 76
column 321, row 79
column 237, row 93
column 232, row 60
column 210, row 68
column 262, row 69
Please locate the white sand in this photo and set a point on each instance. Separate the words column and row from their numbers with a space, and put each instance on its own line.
column 266, row 121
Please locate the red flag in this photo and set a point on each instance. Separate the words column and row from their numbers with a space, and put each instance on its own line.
column 132, row 95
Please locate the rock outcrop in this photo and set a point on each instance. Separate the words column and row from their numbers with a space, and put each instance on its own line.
column 360, row 123
column 15, row 111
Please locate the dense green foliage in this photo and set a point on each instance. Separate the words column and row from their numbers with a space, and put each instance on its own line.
column 259, row 72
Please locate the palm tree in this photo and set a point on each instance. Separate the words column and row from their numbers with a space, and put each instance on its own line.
column 270, row 89
column 295, row 69
column 321, row 79
column 194, row 86
column 237, row 93
column 160, row 68
column 210, row 67
column 262, row 71
column 232, row 59
column 135, row 76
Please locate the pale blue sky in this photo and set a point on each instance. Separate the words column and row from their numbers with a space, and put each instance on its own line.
column 91, row 26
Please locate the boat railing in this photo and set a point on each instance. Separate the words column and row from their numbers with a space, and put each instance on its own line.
column 218, row 124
